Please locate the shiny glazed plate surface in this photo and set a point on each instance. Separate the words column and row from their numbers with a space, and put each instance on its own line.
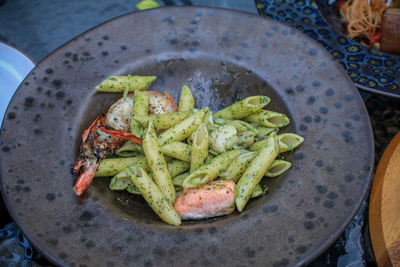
column 223, row 56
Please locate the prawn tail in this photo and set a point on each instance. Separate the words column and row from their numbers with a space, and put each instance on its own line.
column 85, row 179
column 77, row 168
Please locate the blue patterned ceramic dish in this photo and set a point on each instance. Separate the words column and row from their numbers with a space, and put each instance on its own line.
column 371, row 70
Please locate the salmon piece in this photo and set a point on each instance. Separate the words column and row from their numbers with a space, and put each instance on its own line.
column 213, row 199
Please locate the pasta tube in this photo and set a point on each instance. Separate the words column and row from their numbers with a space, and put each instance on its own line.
column 286, row 142
column 242, row 108
column 278, row 167
column 141, row 103
column 129, row 149
column 256, row 170
column 176, row 167
column 268, row 118
column 289, row 141
column 113, row 166
column 160, row 203
column 246, row 139
column 186, row 99
column 258, row 191
column 121, row 83
column 263, row 131
column 157, row 163
column 199, row 148
column 209, row 172
column 178, row 180
column 121, row 181
column 162, row 121
column 183, row 129
column 177, row 150
column 237, row 167
column 242, row 126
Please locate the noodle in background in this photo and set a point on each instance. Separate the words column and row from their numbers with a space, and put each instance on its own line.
column 363, row 19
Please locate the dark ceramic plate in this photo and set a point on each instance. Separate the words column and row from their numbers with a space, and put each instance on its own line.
column 370, row 69
column 229, row 55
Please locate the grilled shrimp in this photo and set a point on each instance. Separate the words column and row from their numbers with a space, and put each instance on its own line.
column 109, row 131
column 209, row 200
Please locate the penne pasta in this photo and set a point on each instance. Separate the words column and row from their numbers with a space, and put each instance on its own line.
column 183, row 129
column 199, row 148
column 246, row 139
column 286, row 142
column 263, row 131
column 113, row 166
column 242, row 108
column 278, row 167
column 121, row 181
column 209, row 172
column 122, row 83
column 258, row 191
column 186, row 99
column 177, row 150
column 178, row 180
column 237, row 167
column 129, row 149
column 141, row 103
column 162, row 121
column 157, row 163
column 242, row 126
column 255, row 171
column 289, row 141
column 176, row 167
column 154, row 196
column 268, row 119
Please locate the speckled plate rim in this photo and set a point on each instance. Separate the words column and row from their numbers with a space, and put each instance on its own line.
column 380, row 91
column 307, row 259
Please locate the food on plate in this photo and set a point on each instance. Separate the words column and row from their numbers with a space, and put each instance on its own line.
column 365, row 20
column 185, row 162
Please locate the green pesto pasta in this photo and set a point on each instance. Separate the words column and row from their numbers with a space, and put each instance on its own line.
column 263, row 131
column 157, row 163
column 246, row 139
column 286, row 142
column 162, row 121
column 129, row 149
column 242, row 108
column 183, row 129
column 209, row 172
column 199, row 148
column 242, row 126
column 178, row 180
column 258, row 191
column 154, row 196
column 176, row 167
column 113, row 166
column 268, row 119
column 177, row 150
column 255, row 171
column 237, row 167
column 121, row 83
column 278, row 167
column 186, row 99
column 140, row 107
column 289, row 141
